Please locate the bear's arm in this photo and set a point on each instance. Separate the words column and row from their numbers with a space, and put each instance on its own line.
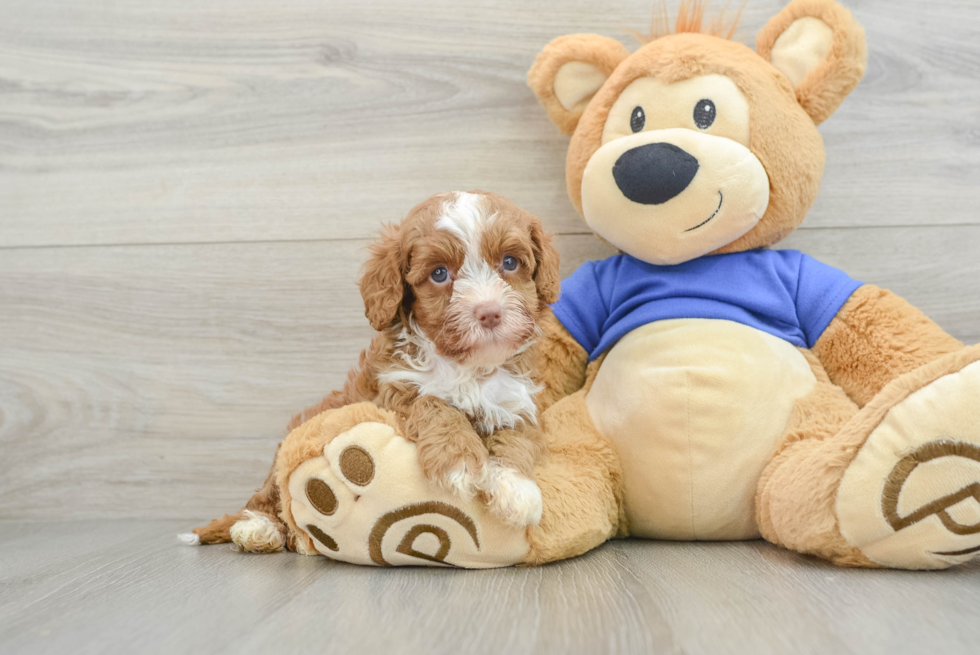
column 561, row 363
column 875, row 337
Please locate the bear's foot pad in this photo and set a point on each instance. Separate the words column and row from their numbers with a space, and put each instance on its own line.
column 365, row 501
column 911, row 496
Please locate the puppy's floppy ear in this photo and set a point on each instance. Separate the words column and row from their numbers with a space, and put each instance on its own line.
column 383, row 282
column 546, row 274
column 820, row 48
column 569, row 71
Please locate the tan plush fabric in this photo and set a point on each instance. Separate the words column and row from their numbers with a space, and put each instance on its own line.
column 876, row 337
column 680, row 401
column 380, row 509
column 789, row 147
column 820, row 451
column 782, row 126
column 307, row 442
column 725, row 200
column 561, row 363
column 671, row 103
column 802, row 496
column 827, row 83
column 795, row 502
column 801, row 48
column 876, row 351
column 911, row 497
column 575, row 84
column 602, row 53
column 581, row 482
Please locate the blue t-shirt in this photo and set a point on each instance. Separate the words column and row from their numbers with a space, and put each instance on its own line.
column 782, row 292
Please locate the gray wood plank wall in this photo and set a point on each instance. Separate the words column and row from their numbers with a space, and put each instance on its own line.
column 186, row 189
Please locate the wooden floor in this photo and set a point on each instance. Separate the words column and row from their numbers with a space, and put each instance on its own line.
column 186, row 190
column 128, row 587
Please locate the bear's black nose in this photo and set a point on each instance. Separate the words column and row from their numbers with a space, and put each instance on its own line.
column 654, row 173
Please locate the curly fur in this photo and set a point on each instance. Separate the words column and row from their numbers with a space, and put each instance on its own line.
column 461, row 391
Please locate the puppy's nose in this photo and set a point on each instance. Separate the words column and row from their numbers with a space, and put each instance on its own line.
column 488, row 314
column 654, row 173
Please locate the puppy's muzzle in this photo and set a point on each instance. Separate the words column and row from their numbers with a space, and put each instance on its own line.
column 654, row 173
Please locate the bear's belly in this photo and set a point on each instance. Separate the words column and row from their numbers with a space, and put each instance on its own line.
column 695, row 409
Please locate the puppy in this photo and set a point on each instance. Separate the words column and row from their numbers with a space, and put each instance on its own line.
column 456, row 292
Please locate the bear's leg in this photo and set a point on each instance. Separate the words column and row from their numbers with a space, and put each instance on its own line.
column 896, row 485
column 344, row 484
column 795, row 498
column 581, row 485
column 352, row 489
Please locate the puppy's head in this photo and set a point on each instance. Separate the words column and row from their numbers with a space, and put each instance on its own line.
column 471, row 270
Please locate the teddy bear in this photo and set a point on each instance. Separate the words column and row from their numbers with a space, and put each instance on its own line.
column 698, row 385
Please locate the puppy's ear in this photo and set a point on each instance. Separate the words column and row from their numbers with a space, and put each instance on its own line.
column 383, row 282
column 569, row 71
column 820, row 48
column 546, row 275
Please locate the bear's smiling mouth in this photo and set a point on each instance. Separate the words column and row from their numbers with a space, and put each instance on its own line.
column 721, row 199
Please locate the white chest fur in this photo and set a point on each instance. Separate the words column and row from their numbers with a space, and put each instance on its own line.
column 492, row 398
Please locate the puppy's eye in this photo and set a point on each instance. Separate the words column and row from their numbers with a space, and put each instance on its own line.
column 704, row 113
column 509, row 263
column 440, row 275
column 637, row 119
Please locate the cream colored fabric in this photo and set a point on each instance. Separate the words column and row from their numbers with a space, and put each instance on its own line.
column 948, row 412
column 726, row 198
column 696, row 408
column 575, row 84
column 801, row 48
column 672, row 105
column 408, row 519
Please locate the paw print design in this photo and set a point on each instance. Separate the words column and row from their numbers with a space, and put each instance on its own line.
column 911, row 497
column 364, row 500
column 958, row 512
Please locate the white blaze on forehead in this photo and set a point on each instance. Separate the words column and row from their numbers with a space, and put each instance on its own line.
column 466, row 216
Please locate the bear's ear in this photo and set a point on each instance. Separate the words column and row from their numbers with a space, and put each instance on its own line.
column 569, row 71
column 820, row 48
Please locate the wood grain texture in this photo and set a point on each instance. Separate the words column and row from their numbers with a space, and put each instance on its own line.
column 155, row 381
column 178, row 122
column 127, row 587
column 185, row 192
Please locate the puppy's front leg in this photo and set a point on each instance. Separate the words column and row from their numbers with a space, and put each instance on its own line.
column 451, row 453
column 512, row 493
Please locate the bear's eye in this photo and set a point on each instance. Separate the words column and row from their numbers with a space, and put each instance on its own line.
column 637, row 119
column 440, row 275
column 704, row 113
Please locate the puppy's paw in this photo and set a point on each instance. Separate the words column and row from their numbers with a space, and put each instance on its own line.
column 365, row 500
column 513, row 498
column 257, row 533
column 461, row 473
column 464, row 481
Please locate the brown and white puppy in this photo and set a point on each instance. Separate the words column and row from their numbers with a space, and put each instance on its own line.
column 456, row 292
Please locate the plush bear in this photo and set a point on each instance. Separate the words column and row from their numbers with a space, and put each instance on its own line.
column 698, row 385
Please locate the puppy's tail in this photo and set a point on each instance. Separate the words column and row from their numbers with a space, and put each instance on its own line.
column 217, row 531
column 260, row 522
